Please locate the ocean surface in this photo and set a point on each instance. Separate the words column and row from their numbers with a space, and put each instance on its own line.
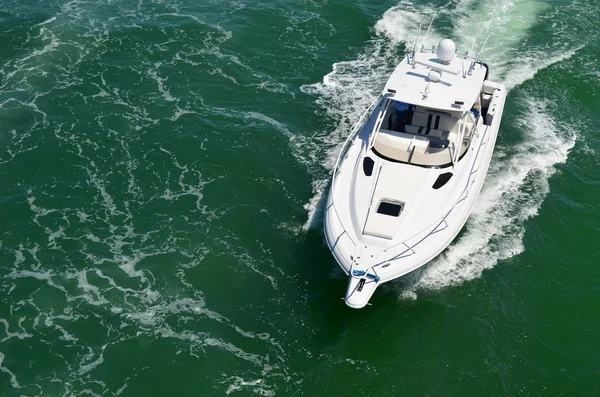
column 163, row 166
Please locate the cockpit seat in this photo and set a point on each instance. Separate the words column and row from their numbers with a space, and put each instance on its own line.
column 431, row 123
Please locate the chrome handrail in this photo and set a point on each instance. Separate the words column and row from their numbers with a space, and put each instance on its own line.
column 377, row 127
column 351, row 136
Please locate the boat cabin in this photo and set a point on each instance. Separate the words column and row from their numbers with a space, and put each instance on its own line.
column 434, row 100
column 417, row 135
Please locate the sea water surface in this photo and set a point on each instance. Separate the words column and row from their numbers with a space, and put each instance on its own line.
column 163, row 166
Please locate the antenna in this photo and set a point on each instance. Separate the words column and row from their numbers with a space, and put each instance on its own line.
column 474, row 40
column 416, row 41
column 470, row 51
column 429, row 28
column 480, row 51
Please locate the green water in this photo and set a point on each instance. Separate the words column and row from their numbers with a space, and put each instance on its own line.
column 163, row 166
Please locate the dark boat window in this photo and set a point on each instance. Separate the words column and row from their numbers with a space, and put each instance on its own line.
column 399, row 116
column 442, row 180
column 368, row 166
column 391, row 209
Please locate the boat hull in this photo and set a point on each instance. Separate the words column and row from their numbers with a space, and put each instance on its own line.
column 387, row 259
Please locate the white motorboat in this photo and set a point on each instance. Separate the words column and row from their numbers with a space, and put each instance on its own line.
column 408, row 175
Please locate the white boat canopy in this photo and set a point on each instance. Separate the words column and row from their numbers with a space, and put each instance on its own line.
column 429, row 83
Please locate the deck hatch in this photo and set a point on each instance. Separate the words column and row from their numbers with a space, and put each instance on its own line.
column 389, row 208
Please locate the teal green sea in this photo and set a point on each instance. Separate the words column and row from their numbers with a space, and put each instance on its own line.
column 163, row 165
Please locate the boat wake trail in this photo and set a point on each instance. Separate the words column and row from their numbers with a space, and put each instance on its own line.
column 515, row 188
column 510, row 53
column 517, row 182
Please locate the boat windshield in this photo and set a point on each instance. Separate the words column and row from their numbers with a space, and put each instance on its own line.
column 400, row 115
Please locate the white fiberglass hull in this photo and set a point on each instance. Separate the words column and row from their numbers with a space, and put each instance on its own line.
column 431, row 218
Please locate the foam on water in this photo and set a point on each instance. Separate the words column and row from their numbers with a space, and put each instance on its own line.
column 153, row 72
column 19, row 335
column 13, row 379
column 400, row 24
column 534, row 61
column 91, row 247
column 237, row 383
column 512, row 58
column 132, row 202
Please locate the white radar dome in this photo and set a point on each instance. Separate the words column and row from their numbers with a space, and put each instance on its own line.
column 446, row 51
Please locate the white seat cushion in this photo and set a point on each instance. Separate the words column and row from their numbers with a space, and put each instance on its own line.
column 395, row 140
column 397, row 145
